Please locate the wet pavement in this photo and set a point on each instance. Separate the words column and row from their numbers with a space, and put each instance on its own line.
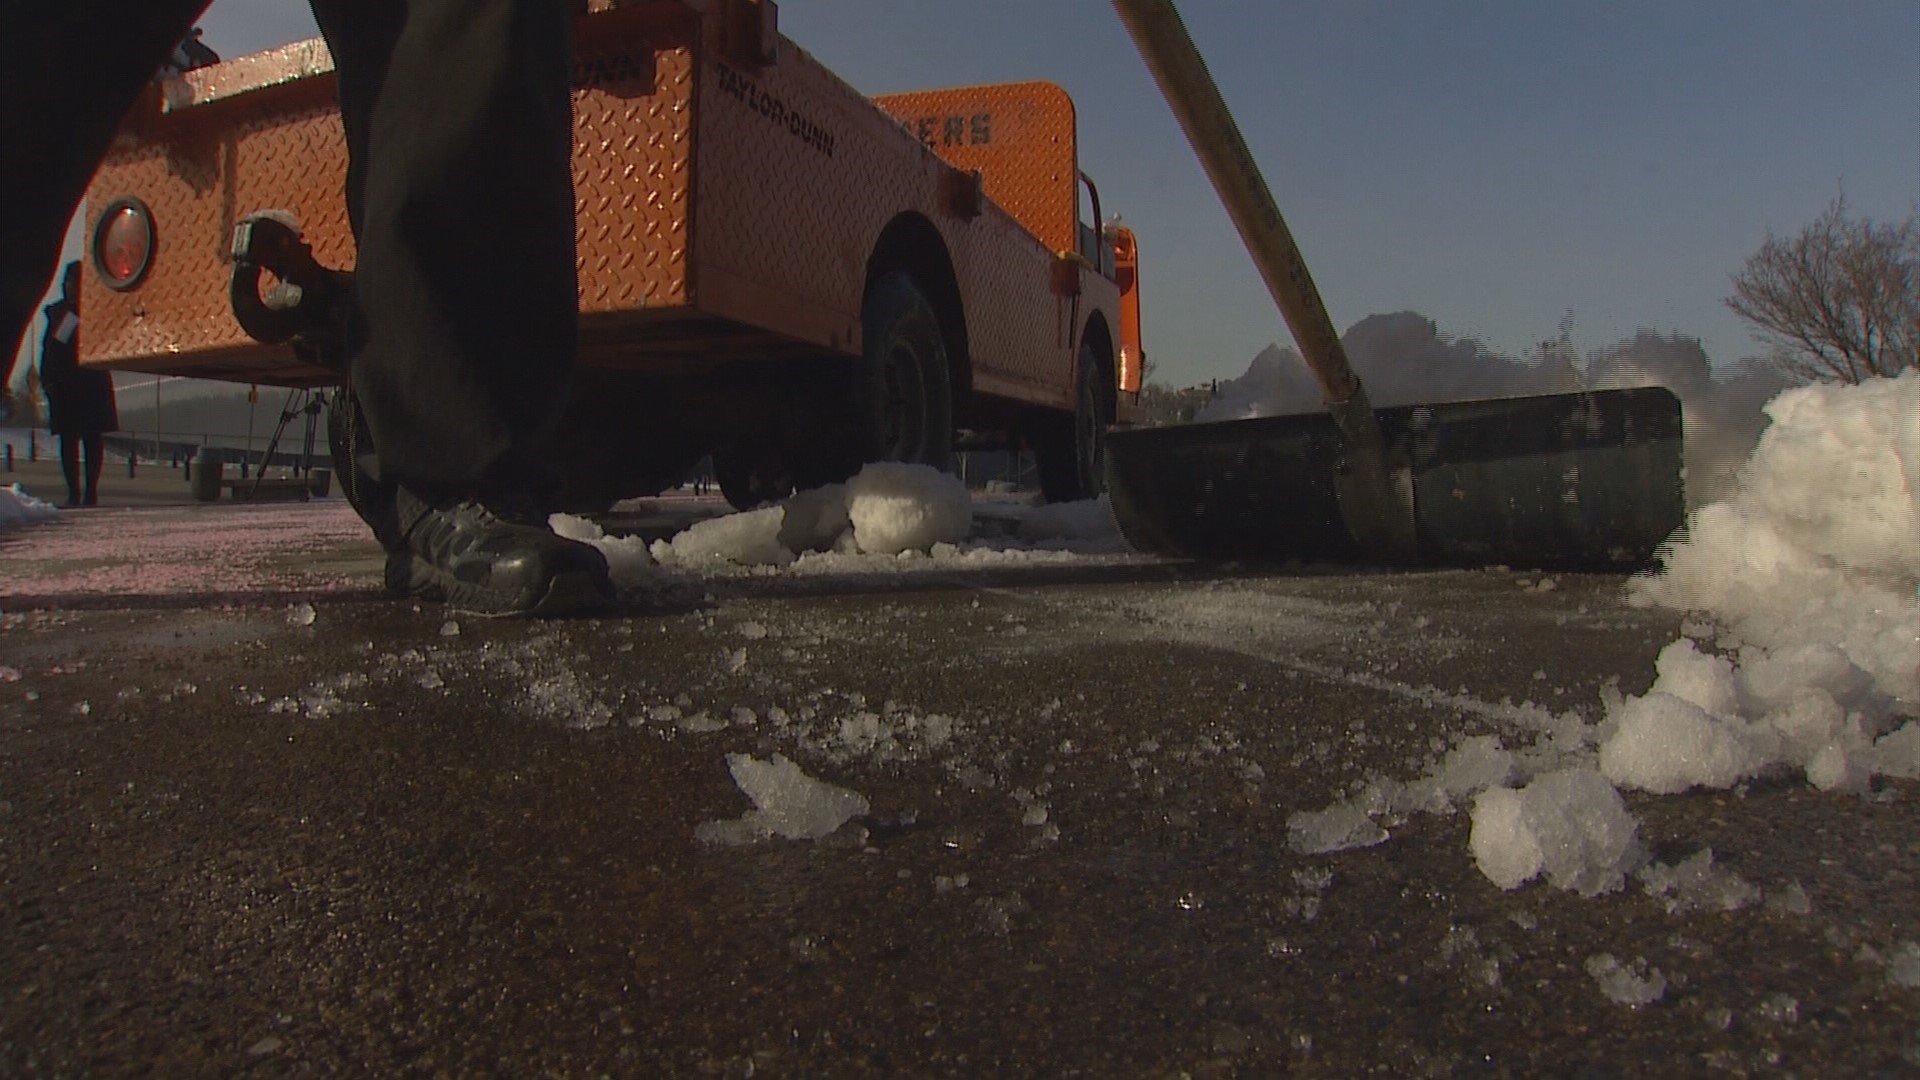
column 267, row 821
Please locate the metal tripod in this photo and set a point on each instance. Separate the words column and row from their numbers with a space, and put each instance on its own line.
column 300, row 401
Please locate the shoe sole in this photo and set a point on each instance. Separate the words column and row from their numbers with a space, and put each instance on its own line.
column 409, row 576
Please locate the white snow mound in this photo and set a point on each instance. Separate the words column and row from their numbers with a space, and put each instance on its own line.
column 896, row 507
column 627, row 556
column 1667, row 744
column 18, row 508
column 750, row 538
column 1821, row 543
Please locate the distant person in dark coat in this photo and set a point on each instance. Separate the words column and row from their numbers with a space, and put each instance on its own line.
column 80, row 407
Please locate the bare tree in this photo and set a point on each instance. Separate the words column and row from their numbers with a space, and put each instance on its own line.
column 1840, row 301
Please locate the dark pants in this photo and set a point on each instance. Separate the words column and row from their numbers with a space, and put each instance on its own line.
column 70, row 449
column 459, row 121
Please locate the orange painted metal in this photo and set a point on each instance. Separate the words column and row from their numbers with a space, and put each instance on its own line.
column 1019, row 136
column 732, row 195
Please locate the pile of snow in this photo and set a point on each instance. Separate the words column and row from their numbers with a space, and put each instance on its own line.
column 888, row 515
column 17, row 507
column 1696, row 884
column 1812, row 570
column 1807, row 663
column 887, row 509
column 787, row 803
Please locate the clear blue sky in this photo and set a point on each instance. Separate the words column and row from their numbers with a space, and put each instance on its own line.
column 1492, row 164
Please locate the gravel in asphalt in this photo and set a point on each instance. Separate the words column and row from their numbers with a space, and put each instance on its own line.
column 274, row 823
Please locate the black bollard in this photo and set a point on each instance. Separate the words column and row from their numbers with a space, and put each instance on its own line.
column 133, row 458
column 9, row 457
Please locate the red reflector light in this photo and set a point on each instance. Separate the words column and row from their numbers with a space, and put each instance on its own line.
column 123, row 243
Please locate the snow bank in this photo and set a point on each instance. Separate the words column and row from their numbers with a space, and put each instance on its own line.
column 18, row 508
column 1821, row 544
column 1808, row 663
column 1813, row 568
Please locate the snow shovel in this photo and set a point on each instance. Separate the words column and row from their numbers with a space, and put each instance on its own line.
column 1579, row 480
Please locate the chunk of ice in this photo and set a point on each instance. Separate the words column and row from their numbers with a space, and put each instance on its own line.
column 1696, row 884
column 1570, row 825
column 1898, row 754
column 1633, row 985
column 1703, row 679
column 1903, row 967
column 1339, row 827
column 787, row 803
column 746, row 539
column 896, row 507
column 1666, row 744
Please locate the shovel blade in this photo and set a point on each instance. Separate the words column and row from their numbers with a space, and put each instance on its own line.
column 1574, row 481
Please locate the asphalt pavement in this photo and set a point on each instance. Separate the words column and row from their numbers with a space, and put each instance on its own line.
column 255, row 817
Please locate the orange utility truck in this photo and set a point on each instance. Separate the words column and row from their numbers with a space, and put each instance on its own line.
column 774, row 269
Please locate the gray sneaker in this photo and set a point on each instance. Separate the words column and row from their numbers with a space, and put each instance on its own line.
column 486, row 559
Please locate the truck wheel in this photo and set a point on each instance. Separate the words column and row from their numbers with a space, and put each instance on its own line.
column 748, row 479
column 904, row 399
column 1072, row 452
column 347, row 438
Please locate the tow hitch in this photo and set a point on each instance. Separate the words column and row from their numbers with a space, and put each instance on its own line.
column 306, row 303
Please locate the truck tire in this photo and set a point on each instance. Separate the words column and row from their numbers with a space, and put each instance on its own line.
column 903, row 392
column 750, row 479
column 1072, row 451
column 347, row 438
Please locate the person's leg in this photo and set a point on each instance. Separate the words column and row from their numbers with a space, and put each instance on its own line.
column 95, row 446
column 70, row 466
column 462, row 192
column 459, row 118
column 73, row 69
